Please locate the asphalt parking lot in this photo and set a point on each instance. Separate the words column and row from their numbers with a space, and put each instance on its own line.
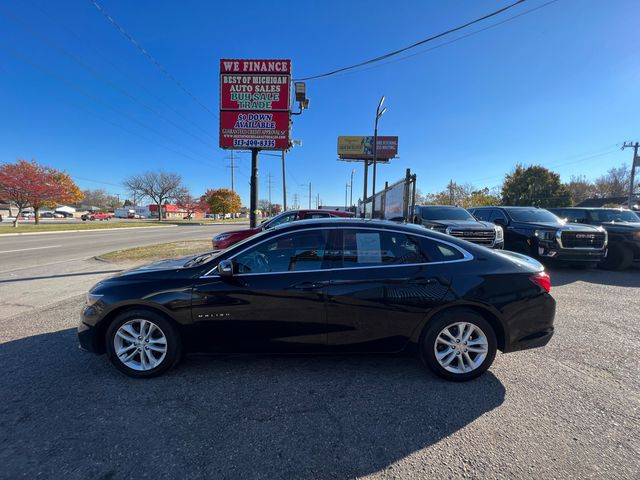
column 570, row 409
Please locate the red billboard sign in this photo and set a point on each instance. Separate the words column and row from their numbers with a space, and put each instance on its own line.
column 255, row 99
column 263, row 130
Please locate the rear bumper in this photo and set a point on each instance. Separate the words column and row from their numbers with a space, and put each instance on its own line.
column 532, row 325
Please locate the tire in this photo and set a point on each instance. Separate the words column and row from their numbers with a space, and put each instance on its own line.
column 482, row 334
column 142, row 363
column 619, row 257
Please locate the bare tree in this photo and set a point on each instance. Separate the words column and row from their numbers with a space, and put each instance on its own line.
column 160, row 187
column 615, row 183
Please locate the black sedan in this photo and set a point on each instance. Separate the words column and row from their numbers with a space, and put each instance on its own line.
column 326, row 286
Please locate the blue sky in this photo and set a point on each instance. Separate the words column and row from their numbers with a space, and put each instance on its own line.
column 557, row 87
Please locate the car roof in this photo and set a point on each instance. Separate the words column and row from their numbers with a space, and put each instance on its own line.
column 617, row 209
column 350, row 222
column 440, row 206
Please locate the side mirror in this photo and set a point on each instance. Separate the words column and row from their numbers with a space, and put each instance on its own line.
column 500, row 221
column 225, row 268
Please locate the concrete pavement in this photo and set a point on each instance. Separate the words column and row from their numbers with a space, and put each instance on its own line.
column 36, row 270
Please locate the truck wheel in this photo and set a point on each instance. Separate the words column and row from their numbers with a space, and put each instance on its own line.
column 618, row 258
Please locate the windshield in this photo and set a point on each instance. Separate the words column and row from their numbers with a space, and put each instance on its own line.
column 445, row 213
column 614, row 216
column 279, row 219
column 200, row 259
column 532, row 215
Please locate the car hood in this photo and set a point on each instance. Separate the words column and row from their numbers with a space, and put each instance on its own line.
column 159, row 266
column 572, row 227
column 621, row 226
column 247, row 232
column 463, row 224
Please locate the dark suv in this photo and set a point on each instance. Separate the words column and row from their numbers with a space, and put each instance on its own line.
column 622, row 226
column 458, row 222
column 540, row 234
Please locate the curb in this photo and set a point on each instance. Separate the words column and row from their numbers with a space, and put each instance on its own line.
column 84, row 231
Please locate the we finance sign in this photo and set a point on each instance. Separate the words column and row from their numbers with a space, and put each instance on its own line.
column 255, row 103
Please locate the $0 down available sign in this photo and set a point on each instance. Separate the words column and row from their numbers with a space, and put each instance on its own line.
column 255, row 97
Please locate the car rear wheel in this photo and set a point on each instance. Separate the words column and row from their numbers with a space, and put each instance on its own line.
column 142, row 344
column 459, row 345
column 618, row 257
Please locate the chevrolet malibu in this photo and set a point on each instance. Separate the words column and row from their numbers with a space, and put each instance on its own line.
column 336, row 286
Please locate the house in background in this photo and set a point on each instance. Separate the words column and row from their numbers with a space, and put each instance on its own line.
column 172, row 212
column 7, row 210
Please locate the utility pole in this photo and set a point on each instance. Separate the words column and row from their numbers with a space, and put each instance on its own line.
column 309, row 195
column 451, row 193
column 351, row 190
column 318, row 201
column 634, row 163
column 295, row 201
column 254, row 189
column 364, row 195
column 284, row 185
column 346, row 194
column 269, row 194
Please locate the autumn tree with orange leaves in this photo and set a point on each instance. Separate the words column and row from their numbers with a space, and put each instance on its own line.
column 28, row 184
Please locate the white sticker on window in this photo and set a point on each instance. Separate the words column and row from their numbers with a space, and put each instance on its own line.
column 368, row 248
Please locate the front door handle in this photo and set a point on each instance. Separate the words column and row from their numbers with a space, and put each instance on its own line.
column 308, row 285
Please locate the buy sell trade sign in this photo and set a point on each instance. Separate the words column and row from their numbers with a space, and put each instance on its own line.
column 255, row 104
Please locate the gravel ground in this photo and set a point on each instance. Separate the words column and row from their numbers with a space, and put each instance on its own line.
column 569, row 410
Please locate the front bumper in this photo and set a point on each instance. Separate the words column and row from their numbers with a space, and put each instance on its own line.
column 88, row 337
column 555, row 252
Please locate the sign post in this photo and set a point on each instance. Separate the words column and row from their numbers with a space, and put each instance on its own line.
column 255, row 111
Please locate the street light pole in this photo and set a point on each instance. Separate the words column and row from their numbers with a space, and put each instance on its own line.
column 284, row 185
column 379, row 114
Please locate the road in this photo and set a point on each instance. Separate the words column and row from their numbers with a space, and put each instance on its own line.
column 36, row 270
column 569, row 410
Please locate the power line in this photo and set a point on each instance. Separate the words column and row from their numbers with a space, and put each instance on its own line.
column 128, row 74
column 449, row 42
column 94, row 73
column 150, row 57
column 75, row 88
column 414, row 45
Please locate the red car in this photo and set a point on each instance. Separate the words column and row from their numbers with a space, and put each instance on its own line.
column 226, row 239
column 96, row 216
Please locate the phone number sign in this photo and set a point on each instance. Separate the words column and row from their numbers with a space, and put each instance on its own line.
column 255, row 103
column 264, row 130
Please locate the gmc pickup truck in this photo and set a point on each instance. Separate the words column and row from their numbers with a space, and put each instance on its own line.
column 458, row 222
column 622, row 226
column 538, row 233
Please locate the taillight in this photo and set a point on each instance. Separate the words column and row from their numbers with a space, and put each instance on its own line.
column 543, row 279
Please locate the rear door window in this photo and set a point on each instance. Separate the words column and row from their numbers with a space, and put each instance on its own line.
column 368, row 248
column 482, row 214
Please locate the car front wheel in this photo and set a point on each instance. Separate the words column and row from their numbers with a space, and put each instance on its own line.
column 459, row 345
column 142, row 344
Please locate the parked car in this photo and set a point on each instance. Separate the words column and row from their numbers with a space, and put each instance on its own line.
column 226, row 239
column 64, row 214
column 26, row 216
column 538, row 233
column 458, row 222
column 326, row 286
column 51, row 215
column 623, row 229
column 96, row 216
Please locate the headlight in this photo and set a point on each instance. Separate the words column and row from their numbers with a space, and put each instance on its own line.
column 93, row 298
column 222, row 236
column 548, row 235
column 499, row 233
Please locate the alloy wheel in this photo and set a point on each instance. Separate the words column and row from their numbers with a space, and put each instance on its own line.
column 140, row 344
column 461, row 347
